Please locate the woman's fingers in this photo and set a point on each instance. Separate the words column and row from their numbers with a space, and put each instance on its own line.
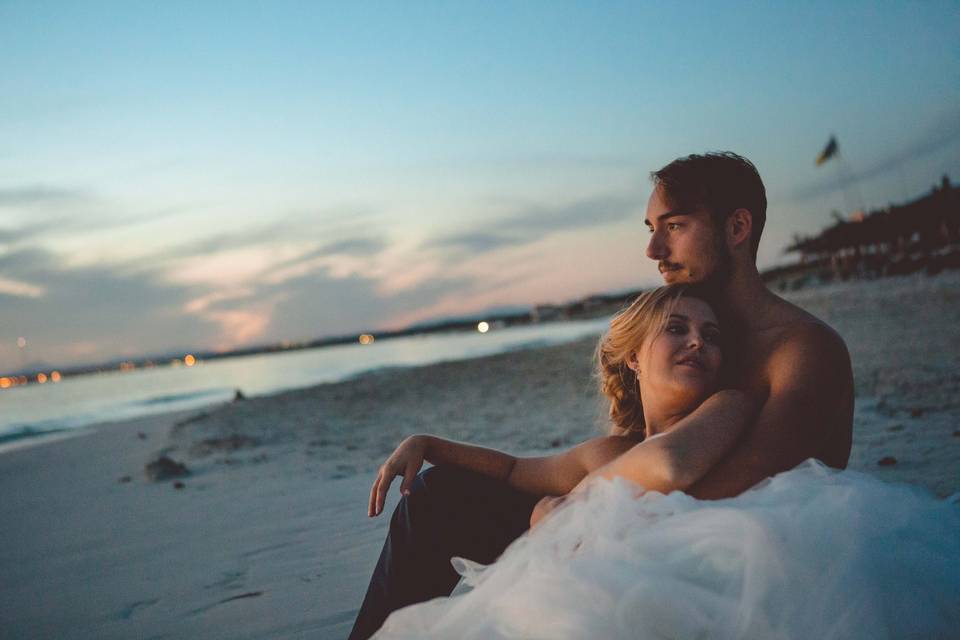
column 371, row 507
column 386, row 479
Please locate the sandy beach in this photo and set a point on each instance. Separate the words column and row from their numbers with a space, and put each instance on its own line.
column 267, row 537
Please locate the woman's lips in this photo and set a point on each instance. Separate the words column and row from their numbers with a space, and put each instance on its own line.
column 695, row 363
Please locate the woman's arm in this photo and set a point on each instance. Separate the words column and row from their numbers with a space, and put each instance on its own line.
column 682, row 455
column 547, row 475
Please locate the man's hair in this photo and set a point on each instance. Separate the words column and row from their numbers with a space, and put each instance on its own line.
column 720, row 181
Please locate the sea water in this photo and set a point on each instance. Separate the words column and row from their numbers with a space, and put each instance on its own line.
column 41, row 410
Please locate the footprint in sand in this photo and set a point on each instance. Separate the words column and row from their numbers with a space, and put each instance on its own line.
column 134, row 607
column 242, row 596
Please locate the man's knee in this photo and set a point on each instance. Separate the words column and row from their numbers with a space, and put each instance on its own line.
column 438, row 484
column 435, row 496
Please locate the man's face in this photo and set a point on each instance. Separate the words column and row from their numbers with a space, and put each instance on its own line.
column 686, row 244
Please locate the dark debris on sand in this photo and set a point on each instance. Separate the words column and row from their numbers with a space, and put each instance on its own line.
column 164, row 468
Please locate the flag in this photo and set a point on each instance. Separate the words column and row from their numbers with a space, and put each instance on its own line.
column 828, row 151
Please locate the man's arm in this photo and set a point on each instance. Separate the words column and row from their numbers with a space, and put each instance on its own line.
column 808, row 413
column 682, row 455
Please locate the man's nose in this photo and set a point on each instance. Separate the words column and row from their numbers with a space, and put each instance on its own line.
column 656, row 248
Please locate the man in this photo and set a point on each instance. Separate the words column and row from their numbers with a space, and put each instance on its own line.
column 705, row 216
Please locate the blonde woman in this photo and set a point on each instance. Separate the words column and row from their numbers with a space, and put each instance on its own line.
column 659, row 366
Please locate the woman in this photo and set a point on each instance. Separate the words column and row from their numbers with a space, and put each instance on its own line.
column 659, row 365
column 665, row 348
column 810, row 553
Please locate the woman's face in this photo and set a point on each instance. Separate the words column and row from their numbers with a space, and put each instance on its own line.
column 679, row 366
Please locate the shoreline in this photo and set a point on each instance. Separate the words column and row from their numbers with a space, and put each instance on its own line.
column 94, row 400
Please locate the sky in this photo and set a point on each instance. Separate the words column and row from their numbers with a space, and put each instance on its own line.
column 184, row 176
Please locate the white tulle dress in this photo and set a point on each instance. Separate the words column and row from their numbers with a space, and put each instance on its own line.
column 811, row 553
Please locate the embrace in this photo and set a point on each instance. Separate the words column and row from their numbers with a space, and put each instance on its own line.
column 714, row 385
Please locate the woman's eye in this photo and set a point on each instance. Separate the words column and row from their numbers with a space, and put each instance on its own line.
column 677, row 329
column 712, row 338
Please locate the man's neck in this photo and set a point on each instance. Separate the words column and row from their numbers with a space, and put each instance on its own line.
column 745, row 300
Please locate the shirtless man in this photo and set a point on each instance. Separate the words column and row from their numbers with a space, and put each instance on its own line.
column 705, row 217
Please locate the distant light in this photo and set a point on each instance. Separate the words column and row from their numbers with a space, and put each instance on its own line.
column 366, row 338
column 55, row 376
column 483, row 326
column 21, row 342
column 41, row 378
column 189, row 360
column 5, row 383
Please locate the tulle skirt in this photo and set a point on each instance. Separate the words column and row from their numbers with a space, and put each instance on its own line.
column 810, row 553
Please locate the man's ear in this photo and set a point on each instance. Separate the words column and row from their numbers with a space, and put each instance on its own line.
column 739, row 227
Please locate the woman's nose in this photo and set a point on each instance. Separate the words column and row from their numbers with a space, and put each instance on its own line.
column 696, row 340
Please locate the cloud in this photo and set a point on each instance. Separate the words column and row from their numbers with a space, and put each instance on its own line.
column 33, row 195
column 295, row 228
column 319, row 304
column 535, row 222
column 46, row 213
column 361, row 247
column 96, row 313
column 474, row 242
column 113, row 314
column 354, row 247
column 587, row 212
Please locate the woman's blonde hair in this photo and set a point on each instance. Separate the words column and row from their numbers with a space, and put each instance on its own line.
column 644, row 319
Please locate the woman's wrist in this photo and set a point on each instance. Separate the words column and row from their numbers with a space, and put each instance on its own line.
column 426, row 443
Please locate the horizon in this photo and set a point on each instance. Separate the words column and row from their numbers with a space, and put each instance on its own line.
column 178, row 178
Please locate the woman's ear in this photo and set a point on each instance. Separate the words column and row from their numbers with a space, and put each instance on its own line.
column 633, row 363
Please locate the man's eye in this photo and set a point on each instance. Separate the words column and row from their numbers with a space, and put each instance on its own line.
column 650, row 230
column 673, row 226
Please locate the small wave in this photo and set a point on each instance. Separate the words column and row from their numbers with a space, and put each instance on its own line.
column 181, row 397
column 28, row 431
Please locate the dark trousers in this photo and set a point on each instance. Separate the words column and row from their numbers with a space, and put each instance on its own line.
column 450, row 512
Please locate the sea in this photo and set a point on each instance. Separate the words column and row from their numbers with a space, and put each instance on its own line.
column 35, row 411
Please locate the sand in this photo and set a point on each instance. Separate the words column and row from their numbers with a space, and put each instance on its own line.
column 268, row 537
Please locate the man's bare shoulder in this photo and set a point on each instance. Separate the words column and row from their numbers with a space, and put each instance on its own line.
column 796, row 330
column 810, row 368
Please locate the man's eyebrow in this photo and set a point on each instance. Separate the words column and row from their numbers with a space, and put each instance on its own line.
column 671, row 214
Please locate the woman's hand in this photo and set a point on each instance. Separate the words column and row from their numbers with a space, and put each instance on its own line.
column 544, row 507
column 406, row 460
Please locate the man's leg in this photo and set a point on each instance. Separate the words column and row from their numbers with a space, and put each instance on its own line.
column 450, row 512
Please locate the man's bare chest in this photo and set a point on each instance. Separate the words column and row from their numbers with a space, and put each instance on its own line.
column 750, row 365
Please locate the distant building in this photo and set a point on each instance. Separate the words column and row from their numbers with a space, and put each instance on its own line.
column 546, row 312
column 922, row 235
